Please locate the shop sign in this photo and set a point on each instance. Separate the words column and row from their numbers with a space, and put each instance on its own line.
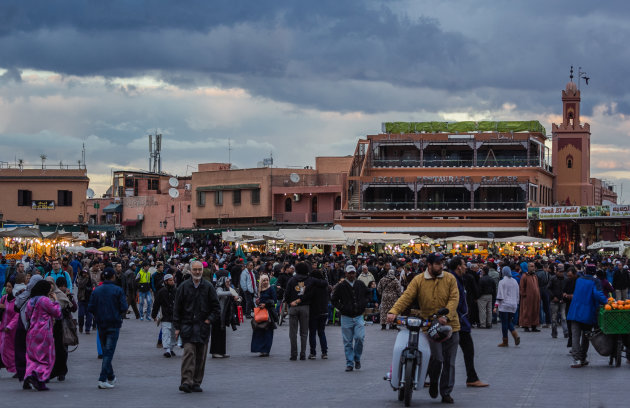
column 444, row 179
column 389, row 180
column 43, row 205
column 499, row 179
column 585, row 211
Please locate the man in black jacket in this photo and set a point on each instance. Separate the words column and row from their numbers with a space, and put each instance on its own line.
column 165, row 300
column 487, row 295
column 350, row 297
column 196, row 307
column 317, row 313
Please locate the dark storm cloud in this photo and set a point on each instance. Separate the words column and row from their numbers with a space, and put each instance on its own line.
column 314, row 53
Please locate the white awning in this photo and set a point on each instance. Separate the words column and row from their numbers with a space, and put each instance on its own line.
column 382, row 238
column 524, row 239
column 465, row 238
column 418, row 230
column 313, row 236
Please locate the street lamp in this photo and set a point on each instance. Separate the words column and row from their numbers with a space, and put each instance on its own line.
column 164, row 223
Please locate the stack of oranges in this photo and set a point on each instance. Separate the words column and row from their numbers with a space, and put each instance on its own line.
column 617, row 304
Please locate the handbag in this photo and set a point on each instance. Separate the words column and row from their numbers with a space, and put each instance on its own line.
column 70, row 336
column 259, row 326
column 261, row 314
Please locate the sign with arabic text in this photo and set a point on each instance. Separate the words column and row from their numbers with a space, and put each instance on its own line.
column 43, row 205
column 585, row 212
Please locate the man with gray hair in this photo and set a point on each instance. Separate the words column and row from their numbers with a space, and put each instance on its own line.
column 196, row 308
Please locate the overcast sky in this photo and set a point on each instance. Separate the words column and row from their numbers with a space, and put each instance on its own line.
column 296, row 79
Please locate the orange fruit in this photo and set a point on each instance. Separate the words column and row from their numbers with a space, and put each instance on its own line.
column 608, row 307
column 611, row 299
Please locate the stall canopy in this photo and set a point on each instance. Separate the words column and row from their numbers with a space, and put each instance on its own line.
column 618, row 245
column 465, row 238
column 20, row 232
column 76, row 249
column 234, row 236
column 113, row 208
column 375, row 238
column 524, row 239
column 312, row 236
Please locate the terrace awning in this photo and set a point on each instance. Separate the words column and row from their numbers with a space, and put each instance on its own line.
column 113, row 208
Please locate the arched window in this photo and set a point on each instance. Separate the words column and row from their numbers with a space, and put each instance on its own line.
column 569, row 162
column 338, row 203
column 288, row 205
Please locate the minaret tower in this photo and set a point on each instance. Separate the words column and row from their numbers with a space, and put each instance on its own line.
column 571, row 152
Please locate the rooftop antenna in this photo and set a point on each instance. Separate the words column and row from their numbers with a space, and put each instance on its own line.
column 82, row 156
column 229, row 151
column 155, row 161
column 43, row 157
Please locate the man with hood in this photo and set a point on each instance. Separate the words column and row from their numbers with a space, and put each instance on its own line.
column 298, row 299
column 529, row 316
column 587, row 297
column 164, row 301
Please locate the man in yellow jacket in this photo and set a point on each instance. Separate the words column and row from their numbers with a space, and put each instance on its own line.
column 433, row 290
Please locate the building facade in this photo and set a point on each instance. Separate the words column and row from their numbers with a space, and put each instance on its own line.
column 448, row 178
column 268, row 197
column 53, row 196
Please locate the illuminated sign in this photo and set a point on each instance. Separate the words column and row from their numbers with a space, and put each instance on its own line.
column 585, row 211
column 43, row 205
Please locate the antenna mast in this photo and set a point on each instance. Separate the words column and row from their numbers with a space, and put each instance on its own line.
column 155, row 160
column 229, row 151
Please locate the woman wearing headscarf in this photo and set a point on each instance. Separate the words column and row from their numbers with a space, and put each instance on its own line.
column 262, row 339
column 20, row 333
column 506, row 305
column 41, row 311
column 530, row 298
column 8, row 327
column 227, row 300
column 68, row 306
column 390, row 290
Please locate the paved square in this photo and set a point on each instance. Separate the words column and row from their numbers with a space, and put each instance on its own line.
column 534, row 374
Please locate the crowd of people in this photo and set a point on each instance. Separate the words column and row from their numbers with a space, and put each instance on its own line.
column 198, row 292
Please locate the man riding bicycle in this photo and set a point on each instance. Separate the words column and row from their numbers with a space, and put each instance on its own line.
column 433, row 290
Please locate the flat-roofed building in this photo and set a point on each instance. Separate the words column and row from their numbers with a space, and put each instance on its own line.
column 52, row 195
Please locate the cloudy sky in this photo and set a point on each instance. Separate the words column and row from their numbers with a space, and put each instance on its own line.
column 296, row 79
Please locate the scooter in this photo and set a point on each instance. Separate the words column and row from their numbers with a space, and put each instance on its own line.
column 411, row 355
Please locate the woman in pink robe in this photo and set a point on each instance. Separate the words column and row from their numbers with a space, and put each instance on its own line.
column 41, row 311
column 8, row 327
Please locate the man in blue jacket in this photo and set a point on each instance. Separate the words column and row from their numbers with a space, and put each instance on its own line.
column 57, row 272
column 587, row 297
column 108, row 305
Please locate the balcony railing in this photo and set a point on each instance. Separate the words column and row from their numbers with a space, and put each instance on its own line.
column 442, row 205
column 428, row 162
column 499, row 205
column 388, row 205
column 307, row 180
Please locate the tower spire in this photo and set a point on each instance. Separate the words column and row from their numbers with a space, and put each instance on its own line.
column 571, row 76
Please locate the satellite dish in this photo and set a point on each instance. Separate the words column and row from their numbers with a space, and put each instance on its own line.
column 90, row 193
column 173, row 182
column 173, row 192
column 294, row 177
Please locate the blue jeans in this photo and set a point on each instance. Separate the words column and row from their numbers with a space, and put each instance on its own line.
column 507, row 323
column 352, row 328
column 142, row 296
column 316, row 328
column 85, row 317
column 109, row 338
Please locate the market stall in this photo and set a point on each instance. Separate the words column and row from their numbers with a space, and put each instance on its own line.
column 524, row 245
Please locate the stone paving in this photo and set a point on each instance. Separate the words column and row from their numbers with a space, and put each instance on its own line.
column 534, row 374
